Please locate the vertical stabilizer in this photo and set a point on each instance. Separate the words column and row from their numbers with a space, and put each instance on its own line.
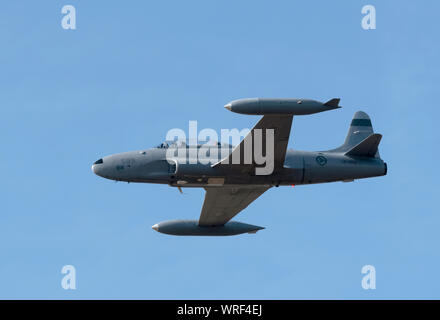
column 360, row 129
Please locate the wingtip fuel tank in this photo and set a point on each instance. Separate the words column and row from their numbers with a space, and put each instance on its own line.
column 192, row 228
column 293, row 106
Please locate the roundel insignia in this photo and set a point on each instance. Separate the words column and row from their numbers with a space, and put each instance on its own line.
column 321, row 160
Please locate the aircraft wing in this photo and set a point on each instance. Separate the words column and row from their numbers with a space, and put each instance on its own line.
column 281, row 125
column 223, row 203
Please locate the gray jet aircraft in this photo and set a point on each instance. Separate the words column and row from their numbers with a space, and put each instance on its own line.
column 231, row 182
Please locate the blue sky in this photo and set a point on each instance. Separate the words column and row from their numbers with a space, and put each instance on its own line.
column 132, row 71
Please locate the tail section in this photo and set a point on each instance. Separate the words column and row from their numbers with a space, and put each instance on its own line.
column 367, row 147
column 360, row 129
column 361, row 139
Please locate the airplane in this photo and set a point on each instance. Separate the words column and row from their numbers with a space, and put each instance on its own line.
column 232, row 182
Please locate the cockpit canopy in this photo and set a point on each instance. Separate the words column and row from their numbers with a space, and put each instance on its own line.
column 184, row 144
column 163, row 145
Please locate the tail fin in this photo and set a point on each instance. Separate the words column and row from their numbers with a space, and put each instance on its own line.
column 360, row 140
column 360, row 129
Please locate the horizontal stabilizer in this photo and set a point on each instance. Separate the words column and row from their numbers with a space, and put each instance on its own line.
column 367, row 147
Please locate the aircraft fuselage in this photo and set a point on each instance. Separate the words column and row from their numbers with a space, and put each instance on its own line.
column 300, row 167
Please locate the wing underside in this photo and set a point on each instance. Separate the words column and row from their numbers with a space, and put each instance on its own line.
column 223, row 203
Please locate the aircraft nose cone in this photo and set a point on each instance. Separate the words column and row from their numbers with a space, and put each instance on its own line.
column 155, row 227
column 228, row 106
column 96, row 167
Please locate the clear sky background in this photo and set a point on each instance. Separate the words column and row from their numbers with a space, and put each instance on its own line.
column 133, row 70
